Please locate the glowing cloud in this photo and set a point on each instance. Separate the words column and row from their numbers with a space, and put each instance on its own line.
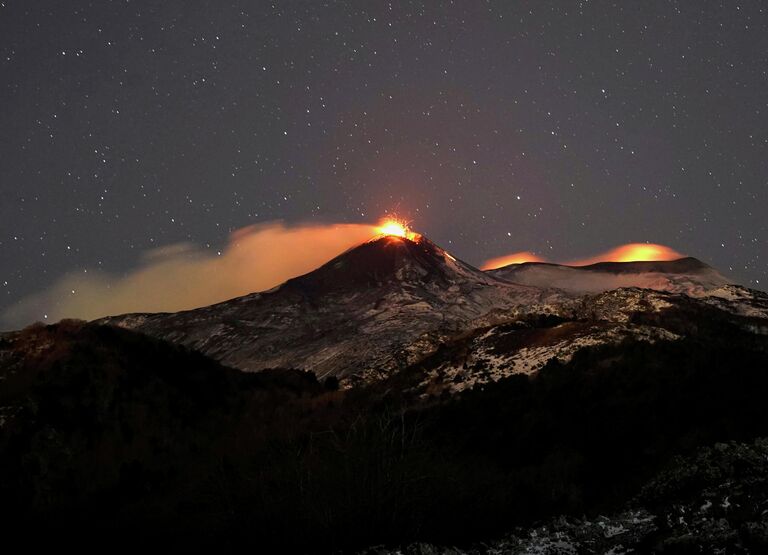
column 632, row 252
column 183, row 276
column 515, row 258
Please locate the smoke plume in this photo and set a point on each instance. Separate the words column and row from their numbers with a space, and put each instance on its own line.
column 184, row 276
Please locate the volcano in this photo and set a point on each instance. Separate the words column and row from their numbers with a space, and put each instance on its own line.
column 391, row 302
column 387, row 260
column 376, row 384
column 376, row 308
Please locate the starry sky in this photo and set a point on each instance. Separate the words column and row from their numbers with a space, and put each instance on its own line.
column 562, row 128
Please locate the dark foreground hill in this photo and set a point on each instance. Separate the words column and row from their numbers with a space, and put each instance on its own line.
column 104, row 431
column 111, row 438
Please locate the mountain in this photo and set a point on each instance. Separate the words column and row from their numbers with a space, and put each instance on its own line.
column 472, row 407
column 368, row 312
column 392, row 302
column 685, row 275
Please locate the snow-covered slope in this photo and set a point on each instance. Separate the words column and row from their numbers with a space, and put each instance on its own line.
column 508, row 349
column 527, row 344
column 376, row 308
column 746, row 302
column 390, row 303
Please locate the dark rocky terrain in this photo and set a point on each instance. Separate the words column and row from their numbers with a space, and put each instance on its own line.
column 711, row 502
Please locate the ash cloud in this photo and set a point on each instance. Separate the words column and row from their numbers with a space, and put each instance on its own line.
column 184, row 276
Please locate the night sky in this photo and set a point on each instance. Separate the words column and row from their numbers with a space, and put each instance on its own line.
column 562, row 128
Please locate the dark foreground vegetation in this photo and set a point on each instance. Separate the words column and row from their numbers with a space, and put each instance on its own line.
column 107, row 435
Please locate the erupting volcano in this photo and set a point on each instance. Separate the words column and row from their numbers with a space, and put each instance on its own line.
column 396, row 227
column 395, row 318
column 391, row 299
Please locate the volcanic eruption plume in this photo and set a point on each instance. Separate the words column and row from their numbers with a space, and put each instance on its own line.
column 396, row 227
column 184, row 276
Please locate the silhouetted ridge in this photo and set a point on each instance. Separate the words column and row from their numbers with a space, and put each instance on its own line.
column 686, row 264
column 679, row 266
column 684, row 275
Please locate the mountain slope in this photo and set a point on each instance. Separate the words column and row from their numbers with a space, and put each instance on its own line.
column 373, row 309
column 530, row 342
column 482, row 405
column 391, row 302
column 123, row 436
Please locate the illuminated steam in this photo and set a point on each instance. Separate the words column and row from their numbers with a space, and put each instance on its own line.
column 515, row 258
column 256, row 258
column 631, row 252
column 183, row 276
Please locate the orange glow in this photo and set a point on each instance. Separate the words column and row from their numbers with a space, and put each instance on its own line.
column 394, row 227
column 516, row 258
column 632, row 252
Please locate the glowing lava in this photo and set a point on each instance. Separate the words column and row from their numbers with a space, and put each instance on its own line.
column 393, row 227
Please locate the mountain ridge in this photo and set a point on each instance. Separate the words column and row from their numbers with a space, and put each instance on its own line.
column 393, row 395
column 683, row 275
column 372, row 309
column 684, row 263
column 389, row 302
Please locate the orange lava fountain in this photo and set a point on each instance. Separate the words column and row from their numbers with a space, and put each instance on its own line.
column 393, row 227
